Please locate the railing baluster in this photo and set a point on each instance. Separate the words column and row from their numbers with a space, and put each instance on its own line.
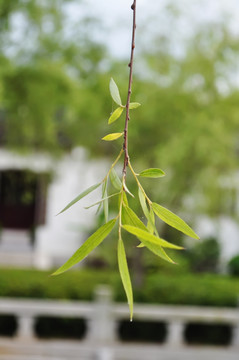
column 102, row 325
column 25, row 329
column 175, row 333
column 235, row 336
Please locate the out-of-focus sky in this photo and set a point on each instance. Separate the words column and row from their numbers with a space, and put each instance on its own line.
column 156, row 16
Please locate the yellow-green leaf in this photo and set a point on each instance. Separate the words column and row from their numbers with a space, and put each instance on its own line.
column 124, row 274
column 125, row 200
column 79, row 197
column 115, row 115
column 157, row 250
column 141, row 245
column 143, row 204
column 173, row 220
column 101, row 201
column 152, row 173
column 130, row 218
column 151, row 222
column 90, row 244
column 145, row 235
column 112, row 136
column 115, row 180
column 134, row 105
column 114, row 92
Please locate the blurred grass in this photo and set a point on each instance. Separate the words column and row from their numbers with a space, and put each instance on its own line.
column 160, row 288
column 39, row 284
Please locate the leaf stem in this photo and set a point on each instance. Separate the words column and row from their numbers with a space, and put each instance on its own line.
column 139, row 185
column 125, row 145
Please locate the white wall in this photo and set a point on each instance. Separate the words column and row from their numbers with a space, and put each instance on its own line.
column 61, row 235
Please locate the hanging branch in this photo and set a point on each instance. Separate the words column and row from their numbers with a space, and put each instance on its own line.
column 127, row 221
column 125, row 145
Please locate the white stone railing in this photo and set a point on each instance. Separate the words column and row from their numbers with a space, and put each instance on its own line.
column 102, row 316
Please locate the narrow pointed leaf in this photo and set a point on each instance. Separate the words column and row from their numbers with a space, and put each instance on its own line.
column 124, row 274
column 79, row 197
column 173, row 220
column 157, row 250
column 90, row 244
column 105, row 200
column 112, row 137
column 115, row 115
column 98, row 209
column 101, row 201
column 151, row 222
column 114, row 92
column 143, row 204
column 115, row 180
column 130, row 218
column 134, row 105
column 152, row 173
column 125, row 200
column 141, row 245
column 145, row 235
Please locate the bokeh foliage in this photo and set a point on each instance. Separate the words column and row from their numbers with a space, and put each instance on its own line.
column 159, row 288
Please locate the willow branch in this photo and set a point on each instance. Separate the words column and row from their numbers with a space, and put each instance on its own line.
column 125, row 145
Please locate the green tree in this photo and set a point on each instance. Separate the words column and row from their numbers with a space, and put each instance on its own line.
column 190, row 126
column 46, row 72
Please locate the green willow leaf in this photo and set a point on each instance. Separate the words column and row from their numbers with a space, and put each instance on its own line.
column 105, row 200
column 114, row 92
column 141, row 245
column 152, row 173
column 125, row 200
column 157, row 250
column 101, row 201
column 112, row 137
column 98, row 209
column 90, row 244
column 149, row 214
column 130, row 218
column 115, row 180
column 115, row 115
column 134, row 105
column 145, row 235
column 173, row 220
column 151, row 222
column 79, row 197
column 98, row 202
column 124, row 274
column 143, row 204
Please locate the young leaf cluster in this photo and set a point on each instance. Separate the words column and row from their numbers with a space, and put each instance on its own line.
column 126, row 221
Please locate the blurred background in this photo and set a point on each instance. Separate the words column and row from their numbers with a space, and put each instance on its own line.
column 56, row 60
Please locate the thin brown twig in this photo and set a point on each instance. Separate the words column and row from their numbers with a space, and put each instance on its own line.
column 125, row 145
